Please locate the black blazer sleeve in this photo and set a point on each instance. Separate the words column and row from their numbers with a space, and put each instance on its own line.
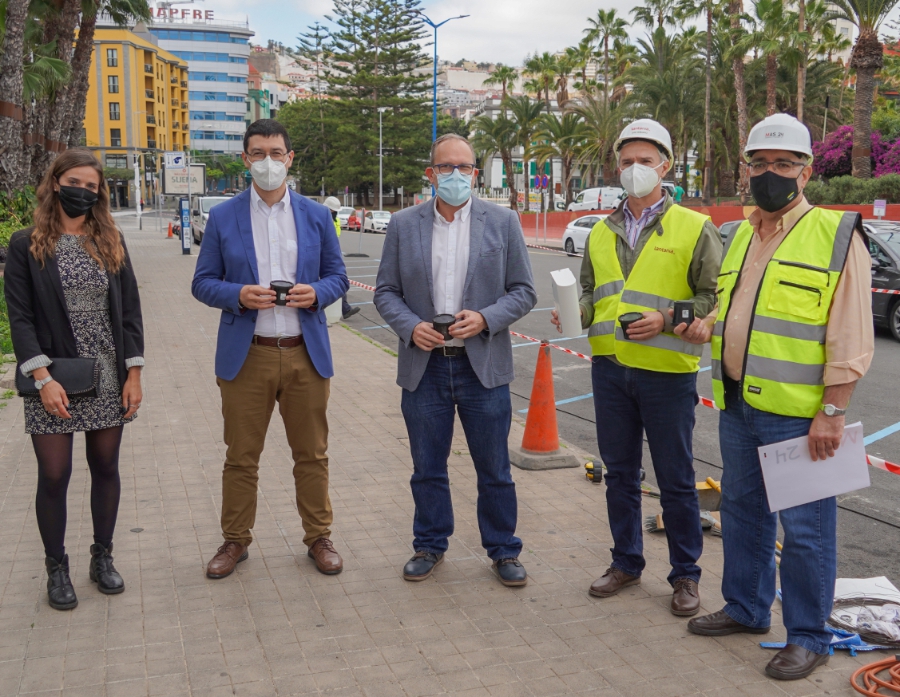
column 19, row 289
column 132, row 320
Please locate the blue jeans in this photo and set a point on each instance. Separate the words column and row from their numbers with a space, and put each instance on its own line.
column 450, row 385
column 628, row 402
column 749, row 528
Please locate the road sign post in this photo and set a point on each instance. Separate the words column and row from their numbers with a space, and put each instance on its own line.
column 186, row 240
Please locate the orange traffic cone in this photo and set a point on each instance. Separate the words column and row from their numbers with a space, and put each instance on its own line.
column 541, row 432
column 169, row 236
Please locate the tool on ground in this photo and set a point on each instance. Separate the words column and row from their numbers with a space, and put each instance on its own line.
column 709, row 494
column 874, row 680
column 593, row 473
column 654, row 523
column 541, row 432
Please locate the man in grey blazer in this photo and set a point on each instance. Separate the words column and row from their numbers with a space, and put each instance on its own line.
column 463, row 257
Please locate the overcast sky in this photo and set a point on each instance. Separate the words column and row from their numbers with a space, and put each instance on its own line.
column 497, row 30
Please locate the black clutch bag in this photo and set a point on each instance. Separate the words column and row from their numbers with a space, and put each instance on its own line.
column 79, row 377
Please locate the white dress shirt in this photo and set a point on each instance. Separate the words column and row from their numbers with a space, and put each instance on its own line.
column 450, row 262
column 275, row 242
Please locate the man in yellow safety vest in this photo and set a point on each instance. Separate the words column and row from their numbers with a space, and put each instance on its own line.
column 640, row 260
column 790, row 337
column 334, row 205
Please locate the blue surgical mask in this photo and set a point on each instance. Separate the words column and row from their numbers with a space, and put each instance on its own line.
column 454, row 188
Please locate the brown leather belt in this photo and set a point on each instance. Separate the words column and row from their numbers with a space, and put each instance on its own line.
column 281, row 342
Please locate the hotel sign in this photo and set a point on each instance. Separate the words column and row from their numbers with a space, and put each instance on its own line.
column 174, row 13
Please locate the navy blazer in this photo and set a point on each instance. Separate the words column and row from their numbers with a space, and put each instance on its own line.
column 227, row 263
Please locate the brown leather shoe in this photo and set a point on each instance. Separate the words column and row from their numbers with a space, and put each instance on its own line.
column 719, row 624
column 612, row 582
column 685, row 598
column 328, row 561
column 794, row 662
column 227, row 557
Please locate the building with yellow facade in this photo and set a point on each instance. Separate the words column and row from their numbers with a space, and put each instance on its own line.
column 137, row 104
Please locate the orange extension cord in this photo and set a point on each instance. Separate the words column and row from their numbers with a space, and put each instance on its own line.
column 872, row 683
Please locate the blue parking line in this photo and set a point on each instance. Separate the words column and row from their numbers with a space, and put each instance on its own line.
column 566, row 401
column 543, row 309
column 355, row 304
column 883, row 433
column 703, row 370
column 374, row 275
column 378, row 326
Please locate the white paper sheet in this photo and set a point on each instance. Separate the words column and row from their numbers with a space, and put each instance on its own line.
column 792, row 478
column 565, row 296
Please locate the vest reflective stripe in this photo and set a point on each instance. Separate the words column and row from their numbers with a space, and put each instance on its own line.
column 784, row 363
column 658, row 279
column 607, row 289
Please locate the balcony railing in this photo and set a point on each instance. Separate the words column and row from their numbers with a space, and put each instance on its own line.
column 184, row 84
column 148, row 68
column 174, row 80
column 184, row 105
column 185, row 127
column 176, row 124
column 151, row 119
column 150, row 94
column 151, row 144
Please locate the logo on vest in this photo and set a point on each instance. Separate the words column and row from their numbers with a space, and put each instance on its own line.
column 663, row 249
column 754, row 389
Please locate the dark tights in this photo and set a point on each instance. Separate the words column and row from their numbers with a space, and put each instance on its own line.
column 54, row 456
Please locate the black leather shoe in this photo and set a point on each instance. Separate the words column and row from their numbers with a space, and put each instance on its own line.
column 103, row 573
column 719, row 624
column 60, row 591
column 421, row 565
column 794, row 662
column 511, row 572
column 352, row 311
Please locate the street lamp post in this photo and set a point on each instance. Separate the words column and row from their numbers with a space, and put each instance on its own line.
column 381, row 111
column 138, row 188
column 434, row 26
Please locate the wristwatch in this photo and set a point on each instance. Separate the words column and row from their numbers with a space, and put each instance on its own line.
column 831, row 410
column 39, row 384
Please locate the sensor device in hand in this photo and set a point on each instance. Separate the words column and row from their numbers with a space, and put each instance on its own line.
column 442, row 324
column 565, row 296
column 281, row 288
column 683, row 313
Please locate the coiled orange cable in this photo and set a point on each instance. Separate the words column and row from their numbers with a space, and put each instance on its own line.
column 872, row 683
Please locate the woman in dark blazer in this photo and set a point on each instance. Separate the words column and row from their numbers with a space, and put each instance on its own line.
column 71, row 292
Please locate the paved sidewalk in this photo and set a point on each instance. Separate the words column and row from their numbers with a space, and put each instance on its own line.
column 277, row 626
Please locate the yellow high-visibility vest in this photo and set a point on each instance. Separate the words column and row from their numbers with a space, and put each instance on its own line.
column 658, row 279
column 784, row 364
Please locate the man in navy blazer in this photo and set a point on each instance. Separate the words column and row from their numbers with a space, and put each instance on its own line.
column 465, row 259
column 272, row 348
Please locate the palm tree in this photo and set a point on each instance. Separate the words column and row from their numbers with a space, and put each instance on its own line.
column 867, row 59
column 772, row 26
column 560, row 138
column 607, row 25
column 736, row 11
column 502, row 77
column 601, row 121
column 544, row 71
column 525, row 114
column 11, row 86
column 498, row 137
column 581, row 56
column 656, row 13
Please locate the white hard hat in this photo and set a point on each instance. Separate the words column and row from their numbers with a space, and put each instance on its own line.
column 779, row 132
column 649, row 130
column 332, row 203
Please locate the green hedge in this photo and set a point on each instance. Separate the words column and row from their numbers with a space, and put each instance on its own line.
column 850, row 190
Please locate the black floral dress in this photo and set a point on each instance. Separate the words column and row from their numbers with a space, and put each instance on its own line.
column 86, row 289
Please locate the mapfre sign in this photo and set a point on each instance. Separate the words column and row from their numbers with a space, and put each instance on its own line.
column 175, row 13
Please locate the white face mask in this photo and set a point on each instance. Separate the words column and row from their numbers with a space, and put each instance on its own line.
column 268, row 174
column 639, row 180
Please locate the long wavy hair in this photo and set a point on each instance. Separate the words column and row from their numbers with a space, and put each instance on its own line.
column 103, row 240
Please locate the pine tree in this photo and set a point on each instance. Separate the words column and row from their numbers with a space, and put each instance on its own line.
column 374, row 61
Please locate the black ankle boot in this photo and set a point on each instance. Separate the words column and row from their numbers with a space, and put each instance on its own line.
column 60, row 591
column 103, row 573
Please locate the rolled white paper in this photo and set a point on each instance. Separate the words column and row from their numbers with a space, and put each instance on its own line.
column 565, row 296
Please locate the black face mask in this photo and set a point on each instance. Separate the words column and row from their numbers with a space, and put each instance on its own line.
column 334, row 215
column 76, row 201
column 772, row 192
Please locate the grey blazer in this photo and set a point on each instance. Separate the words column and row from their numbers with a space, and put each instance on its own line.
column 499, row 285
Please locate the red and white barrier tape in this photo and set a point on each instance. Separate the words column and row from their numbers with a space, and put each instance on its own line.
column 889, row 292
column 705, row 401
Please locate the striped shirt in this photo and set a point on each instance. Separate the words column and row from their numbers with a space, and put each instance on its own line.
column 634, row 226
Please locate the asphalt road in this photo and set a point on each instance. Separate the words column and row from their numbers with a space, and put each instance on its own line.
column 869, row 520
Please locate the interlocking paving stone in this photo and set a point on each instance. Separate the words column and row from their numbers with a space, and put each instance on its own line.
column 277, row 626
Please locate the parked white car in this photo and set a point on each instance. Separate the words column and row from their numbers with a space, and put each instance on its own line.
column 576, row 234
column 376, row 221
column 200, row 214
column 344, row 214
column 605, row 198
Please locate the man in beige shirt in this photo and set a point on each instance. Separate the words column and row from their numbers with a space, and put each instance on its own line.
column 791, row 335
